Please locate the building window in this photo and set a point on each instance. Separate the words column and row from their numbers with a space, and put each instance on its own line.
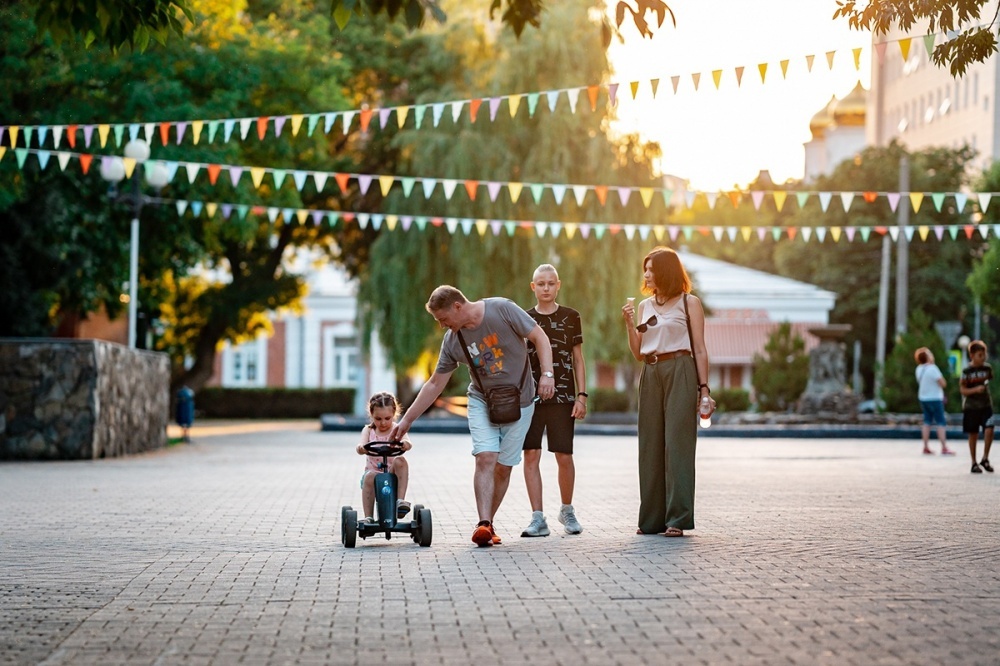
column 344, row 366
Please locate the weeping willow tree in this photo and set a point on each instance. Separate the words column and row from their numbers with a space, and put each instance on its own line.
column 547, row 146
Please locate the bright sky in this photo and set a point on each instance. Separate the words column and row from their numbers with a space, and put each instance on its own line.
column 720, row 138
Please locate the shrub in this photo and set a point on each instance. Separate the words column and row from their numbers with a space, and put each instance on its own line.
column 899, row 388
column 272, row 403
column 731, row 400
column 781, row 376
column 607, row 400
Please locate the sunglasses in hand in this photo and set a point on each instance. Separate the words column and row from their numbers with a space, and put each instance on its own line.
column 649, row 322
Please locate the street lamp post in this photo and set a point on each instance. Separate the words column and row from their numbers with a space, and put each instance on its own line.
column 113, row 170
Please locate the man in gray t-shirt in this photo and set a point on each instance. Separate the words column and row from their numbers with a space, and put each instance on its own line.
column 494, row 331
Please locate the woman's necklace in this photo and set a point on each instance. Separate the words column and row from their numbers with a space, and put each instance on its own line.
column 659, row 307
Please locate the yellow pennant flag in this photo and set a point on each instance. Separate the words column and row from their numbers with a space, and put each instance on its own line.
column 745, row 232
column 301, row 215
column 296, row 123
column 102, row 132
column 809, row 62
column 257, row 175
column 904, row 48
column 570, row 229
column 482, row 226
column 513, row 102
column 659, row 231
column 916, row 198
column 13, row 129
column 401, row 113
column 784, row 68
column 634, row 85
column 779, row 199
column 647, row 195
column 3, row 151
column 829, row 58
column 857, row 58
column 196, row 126
column 210, row 209
column 129, row 163
column 835, row 234
column 391, row 221
column 385, row 183
column 762, row 68
column 923, row 230
column 716, row 76
column 514, row 189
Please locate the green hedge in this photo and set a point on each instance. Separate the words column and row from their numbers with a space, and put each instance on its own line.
column 607, row 400
column 272, row 403
column 731, row 400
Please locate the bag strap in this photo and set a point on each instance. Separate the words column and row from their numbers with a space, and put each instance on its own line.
column 687, row 318
column 472, row 368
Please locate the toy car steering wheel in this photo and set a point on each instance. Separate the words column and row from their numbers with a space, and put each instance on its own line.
column 387, row 449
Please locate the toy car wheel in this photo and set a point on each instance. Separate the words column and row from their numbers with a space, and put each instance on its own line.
column 348, row 527
column 415, row 523
column 426, row 530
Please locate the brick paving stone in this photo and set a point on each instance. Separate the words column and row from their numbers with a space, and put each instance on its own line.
column 227, row 551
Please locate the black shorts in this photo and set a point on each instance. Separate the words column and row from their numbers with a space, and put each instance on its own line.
column 974, row 419
column 555, row 419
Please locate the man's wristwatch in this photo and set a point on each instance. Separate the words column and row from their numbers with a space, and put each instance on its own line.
column 548, row 374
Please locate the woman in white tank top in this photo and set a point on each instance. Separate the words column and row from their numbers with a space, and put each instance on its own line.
column 674, row 379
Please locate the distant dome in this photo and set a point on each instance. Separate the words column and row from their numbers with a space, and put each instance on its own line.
column 851, row 109
column 822, row 120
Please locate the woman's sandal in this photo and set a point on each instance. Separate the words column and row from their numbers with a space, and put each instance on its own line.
column 673, row 532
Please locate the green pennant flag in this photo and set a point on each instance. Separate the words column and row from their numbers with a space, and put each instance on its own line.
column 776, row 233
column 242, row 210
column 421, row 222
column 119, row 133
column 938, row 199
column 532, row 104
column 407, row 184
column 510, row 226
column 865, row 233
column 333, row 217
column 213, row 127
column 279, row 177
column 311, row 124
column 667, row 196
column 688, row 232
column 599, row 230
column 802, row 198
column 21, row 154
column 418, row 115
column 536, row 192
column 953, row 231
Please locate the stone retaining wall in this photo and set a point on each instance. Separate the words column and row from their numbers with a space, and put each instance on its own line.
column 80, row 399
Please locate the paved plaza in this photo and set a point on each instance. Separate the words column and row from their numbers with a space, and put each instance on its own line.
column 828, row 551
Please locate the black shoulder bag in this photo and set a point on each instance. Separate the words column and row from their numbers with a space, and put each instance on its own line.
column 504, row 401
column 687, row 317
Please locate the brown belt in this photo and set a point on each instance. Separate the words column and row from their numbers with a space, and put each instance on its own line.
column 653, row 359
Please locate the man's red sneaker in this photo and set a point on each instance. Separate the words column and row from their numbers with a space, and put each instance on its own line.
column 483, row 534
column 493, row 536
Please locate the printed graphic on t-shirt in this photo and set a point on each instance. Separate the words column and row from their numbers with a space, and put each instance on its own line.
column 487, row 355
column 564, row 332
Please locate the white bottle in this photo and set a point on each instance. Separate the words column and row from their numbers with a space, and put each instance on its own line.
column 705, row 413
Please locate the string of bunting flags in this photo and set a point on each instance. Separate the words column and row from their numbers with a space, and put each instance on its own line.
column 586, row 230
column 210, row 130
column 407, row 184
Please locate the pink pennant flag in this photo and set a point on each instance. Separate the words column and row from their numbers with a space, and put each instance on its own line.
column 613, row 93
column 880, row 51
column 739, row 76
column 893, row 198
column 279, row 122
column 383, row 117
column 181, row 128
column 494, row 190
column 674, row 80
column 494, row 107
column 757, row 197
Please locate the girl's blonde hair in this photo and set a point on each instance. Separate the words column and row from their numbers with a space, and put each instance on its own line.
column 383, row 399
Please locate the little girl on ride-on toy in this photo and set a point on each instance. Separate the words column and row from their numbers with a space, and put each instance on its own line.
column 383, row 408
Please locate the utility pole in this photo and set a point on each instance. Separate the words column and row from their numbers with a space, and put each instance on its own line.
column 903, row 248
column 883, row 318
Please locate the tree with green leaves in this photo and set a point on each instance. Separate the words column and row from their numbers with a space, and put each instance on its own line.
column 971, row 42
column 781, row 373
column 563, row 147
column 64, row 242
column 900, row 390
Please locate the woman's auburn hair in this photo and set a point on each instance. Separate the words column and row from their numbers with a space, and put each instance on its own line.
column 669, row 277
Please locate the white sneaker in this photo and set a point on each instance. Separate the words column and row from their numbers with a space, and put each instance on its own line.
column 538, row 526
column 567, row 516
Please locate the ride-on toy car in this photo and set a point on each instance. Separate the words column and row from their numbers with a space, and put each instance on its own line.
column 419, row 528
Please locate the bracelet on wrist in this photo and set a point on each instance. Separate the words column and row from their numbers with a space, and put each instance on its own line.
column 704, row 386
column 583, row 393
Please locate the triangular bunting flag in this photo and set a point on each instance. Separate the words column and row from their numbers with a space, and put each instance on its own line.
column 916, row 198
column 762, row 68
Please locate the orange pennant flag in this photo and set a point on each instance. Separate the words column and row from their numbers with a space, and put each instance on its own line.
column 71, row 137
column 734, row 198
column 213, row 173
column 791, row 232
column 366, row 119
column 474, row 105
column 602, row 193
column 262, row 127
column 809, row 62
column 829, row 58
column 904, row 48
column 739, row 76
column 870, row 197
column 342, row 179
column 164, row 132
column 696, row 79
column 85, row 161
column 471, row 186
column 592, row 96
